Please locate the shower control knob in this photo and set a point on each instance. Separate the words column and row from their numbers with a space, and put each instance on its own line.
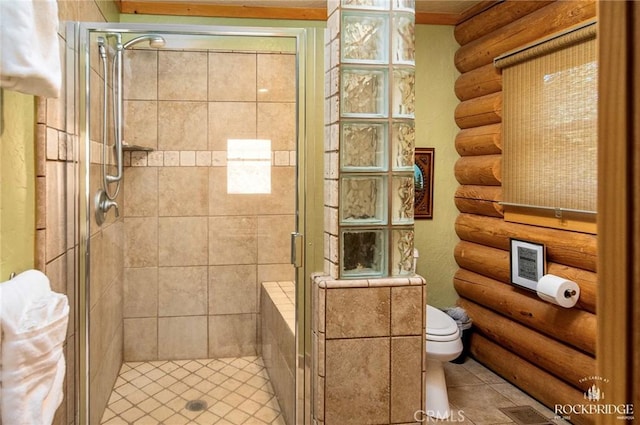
column 103, row 204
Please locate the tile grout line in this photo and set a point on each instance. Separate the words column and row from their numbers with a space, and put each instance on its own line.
column 230, row 368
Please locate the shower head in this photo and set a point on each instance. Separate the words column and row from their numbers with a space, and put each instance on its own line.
column 154, row 40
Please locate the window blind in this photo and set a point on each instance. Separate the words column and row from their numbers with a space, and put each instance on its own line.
column 550, row 123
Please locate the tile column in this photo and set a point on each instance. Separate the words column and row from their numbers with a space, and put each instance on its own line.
column 368, row 305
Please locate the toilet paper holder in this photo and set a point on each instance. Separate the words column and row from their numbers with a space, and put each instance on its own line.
column 558, row 290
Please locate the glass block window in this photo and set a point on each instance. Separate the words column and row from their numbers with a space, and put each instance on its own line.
column 377, row 138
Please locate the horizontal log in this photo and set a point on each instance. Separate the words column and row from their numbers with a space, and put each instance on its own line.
column 541, row 385
column 480, row 193
column 478, row 206
column 569, row 248
column 483, row 140
column 489, row 262
column 476, row 9
column 479, row 82
column 573, row 326
column 479, row 170
column 482, row 200
column 495, row 264
column 479, row 111
column 494, row 18
column 550, row 19
column 586, row 280
column 547, row 353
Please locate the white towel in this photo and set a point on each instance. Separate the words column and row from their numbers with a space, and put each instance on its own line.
column 29, row 47
column 34, row 326
column 1, row 355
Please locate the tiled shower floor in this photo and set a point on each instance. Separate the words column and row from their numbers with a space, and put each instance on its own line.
column 236, row 391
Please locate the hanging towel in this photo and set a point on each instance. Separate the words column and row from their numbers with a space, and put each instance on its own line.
column 29, row 47
column 34, row 326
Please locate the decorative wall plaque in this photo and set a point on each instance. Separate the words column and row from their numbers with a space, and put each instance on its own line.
column 423, row 180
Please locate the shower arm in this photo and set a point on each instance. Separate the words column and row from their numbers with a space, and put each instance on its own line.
column 154, row 41
column 102, row 49
column 118, row 113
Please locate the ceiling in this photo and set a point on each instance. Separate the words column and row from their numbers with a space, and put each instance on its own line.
column 427, row 11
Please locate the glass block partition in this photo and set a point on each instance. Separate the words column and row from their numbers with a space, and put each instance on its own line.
column 370, row 139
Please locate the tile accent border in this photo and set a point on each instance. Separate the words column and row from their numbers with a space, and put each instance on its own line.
column 196, row 159
column 157, row 158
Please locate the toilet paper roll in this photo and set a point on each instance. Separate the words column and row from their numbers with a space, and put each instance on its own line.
column 557, row 290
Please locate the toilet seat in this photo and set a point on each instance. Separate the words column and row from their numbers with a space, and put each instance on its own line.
column 443, row 345
column 440, row 327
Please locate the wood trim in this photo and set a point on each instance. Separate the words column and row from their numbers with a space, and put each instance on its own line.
column 616, row 151
column 218, row 11
column 426, row 18
column 635, row 375
column 305, row 14
column 574, row 222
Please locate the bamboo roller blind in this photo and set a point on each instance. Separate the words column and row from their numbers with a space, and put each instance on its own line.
column 550, row 123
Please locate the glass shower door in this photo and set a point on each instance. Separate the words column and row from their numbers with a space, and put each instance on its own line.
column 188, row 294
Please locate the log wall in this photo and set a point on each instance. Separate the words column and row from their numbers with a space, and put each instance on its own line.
column 542, row 348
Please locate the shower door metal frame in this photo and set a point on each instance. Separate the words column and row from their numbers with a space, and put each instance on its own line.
column 78, row 71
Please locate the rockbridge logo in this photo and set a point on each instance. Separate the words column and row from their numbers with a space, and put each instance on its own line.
column 595, row 395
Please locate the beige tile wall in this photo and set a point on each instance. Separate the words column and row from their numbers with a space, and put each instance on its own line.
column 368, row 349
column 278, row 347
column 194, row 254
column 57, row 243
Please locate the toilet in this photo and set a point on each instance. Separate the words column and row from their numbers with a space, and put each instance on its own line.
column 443, row 345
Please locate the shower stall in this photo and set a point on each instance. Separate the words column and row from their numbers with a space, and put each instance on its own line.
column 190, row 298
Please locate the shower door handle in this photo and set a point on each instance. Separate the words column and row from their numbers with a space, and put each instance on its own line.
column 297, row 249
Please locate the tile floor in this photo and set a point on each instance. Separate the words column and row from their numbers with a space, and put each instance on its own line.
column 236, row 390
column 476, row 395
